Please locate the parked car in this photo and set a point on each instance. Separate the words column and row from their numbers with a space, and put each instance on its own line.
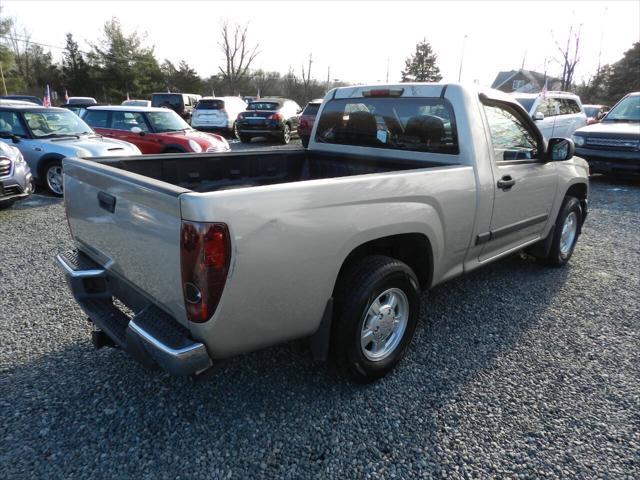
column 137, row 103
column 181, row 103
column 307, row 120
column 595, row 113
column 45, row 136
column 269, row 117
column 557, row 114
column 613, row 145
column 78, row 108
column 152, row 130
column 249, row 99
column 16, row 182
column 24, row 98
column 215, row 255
column 82, row 101
column 218, row 114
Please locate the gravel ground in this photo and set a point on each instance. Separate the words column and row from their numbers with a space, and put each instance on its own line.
column 515, row 371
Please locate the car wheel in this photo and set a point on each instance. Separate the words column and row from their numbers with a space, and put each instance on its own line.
column 244, row 138
column 53, row 177
column 286, row 134
column 234, row 131
column 376, row 314
column 565, row 233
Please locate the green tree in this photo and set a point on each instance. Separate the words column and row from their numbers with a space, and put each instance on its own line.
column 11, row 81
column 187, row 79
column 75, row 70
column 421, row 66
column 625, row 76
column 124, row 65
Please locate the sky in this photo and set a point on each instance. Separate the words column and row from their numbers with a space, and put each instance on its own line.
column 357, row 41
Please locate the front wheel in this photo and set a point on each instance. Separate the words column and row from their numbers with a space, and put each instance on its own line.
column 565, row 233
column 54, row 178
column 377, row 309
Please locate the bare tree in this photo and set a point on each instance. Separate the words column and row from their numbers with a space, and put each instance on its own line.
column 570, row 55
column 238, row 54
column 306, row 78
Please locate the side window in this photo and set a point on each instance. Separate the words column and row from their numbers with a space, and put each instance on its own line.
column 517, row 84
column 10, row 123
column 571, row 105
column 97, row 118
column 511, row 137
column 127, row 120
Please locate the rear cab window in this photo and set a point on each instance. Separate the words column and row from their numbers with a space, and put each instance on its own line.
column 414, row 124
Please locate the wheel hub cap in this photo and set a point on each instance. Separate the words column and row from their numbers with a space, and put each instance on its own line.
column 568, row 234
column 384, row 324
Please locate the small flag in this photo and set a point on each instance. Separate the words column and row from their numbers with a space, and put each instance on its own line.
column 46, row 100
column 258, row 95
column 128, row 98
column 544, row 88
column 66, row 96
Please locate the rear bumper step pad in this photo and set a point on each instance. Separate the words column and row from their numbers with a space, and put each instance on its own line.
column 151, row 336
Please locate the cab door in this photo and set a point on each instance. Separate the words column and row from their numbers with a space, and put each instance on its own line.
column 525, row 185
column 132, row 127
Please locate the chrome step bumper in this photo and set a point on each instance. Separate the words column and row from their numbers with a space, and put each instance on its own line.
column 151, row 336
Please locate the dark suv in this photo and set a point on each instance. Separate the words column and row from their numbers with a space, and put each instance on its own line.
column 181, row 103
column 269, row 117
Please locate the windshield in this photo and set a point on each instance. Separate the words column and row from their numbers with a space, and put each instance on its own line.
column 311, row 109
column 418, row 124
column 628, row 110
column 263, row 106
column 167, row 122
column 210, row 105
column 136, row 103
column 45, row 124
column 526, row 103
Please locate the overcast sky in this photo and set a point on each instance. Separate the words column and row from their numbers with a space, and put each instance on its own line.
column 356, row 39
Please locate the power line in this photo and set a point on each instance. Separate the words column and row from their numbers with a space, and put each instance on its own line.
column 27, row 41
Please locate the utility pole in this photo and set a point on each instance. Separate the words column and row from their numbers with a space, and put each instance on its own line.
column 4, row 85
column 464, row 41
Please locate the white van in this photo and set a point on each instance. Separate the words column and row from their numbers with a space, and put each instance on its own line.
column 218, row 113
column 557, row 114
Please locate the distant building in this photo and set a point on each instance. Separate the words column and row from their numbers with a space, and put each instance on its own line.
column 525, row 81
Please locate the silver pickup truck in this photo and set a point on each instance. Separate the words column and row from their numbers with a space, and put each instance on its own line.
column 183, row 260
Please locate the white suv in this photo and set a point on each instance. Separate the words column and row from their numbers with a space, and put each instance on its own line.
column 217, row 114
column 557, row 114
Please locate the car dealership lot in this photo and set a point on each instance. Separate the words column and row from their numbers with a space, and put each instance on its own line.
column 514, row 369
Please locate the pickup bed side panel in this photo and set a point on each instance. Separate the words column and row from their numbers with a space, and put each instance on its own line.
column 139, row 241
column 290, row 241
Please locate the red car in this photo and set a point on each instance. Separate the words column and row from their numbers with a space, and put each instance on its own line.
column 152, row 130
column 307, row 119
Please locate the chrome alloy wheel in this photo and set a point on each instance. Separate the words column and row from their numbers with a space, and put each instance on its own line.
column 385, row 322
column 55, row 179
column 568, row 234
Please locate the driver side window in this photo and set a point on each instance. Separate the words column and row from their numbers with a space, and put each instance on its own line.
column 511, row 138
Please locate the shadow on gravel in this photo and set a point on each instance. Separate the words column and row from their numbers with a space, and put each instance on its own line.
column 78, row 411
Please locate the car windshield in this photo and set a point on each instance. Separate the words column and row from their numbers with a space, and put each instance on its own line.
column 526, row 103
column 168, row 121
column 135, row 103
column 263, row 106
column 44, row 124
column 628, row 110
column 591, row 111
column 311, row 109
column 207, row 104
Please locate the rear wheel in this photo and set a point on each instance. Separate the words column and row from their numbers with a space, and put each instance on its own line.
column 53, row 177
column 285, row 138
column 376, row 314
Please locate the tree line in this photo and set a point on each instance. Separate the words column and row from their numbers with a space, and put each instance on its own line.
column 121, row 64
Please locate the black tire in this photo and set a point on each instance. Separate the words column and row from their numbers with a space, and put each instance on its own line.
column 559, row 256
column 357, row 289
column 6, row 204
column 244, row 138
column 305, row 141
column 54, row 187
column 233, row 133
column 285, row 137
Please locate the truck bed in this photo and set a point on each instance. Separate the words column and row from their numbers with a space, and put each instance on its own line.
column 226, row 171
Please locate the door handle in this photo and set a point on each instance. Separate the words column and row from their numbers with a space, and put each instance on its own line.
column 107, row 202
column 506, row 182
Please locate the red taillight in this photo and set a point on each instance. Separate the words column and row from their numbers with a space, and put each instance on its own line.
column 383, row 92
column 205, row 253
column 275, row 116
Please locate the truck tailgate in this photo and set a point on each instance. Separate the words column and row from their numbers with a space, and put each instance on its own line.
column 130, row 225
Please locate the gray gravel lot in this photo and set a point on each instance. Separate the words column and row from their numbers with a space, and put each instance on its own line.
column 515, row 371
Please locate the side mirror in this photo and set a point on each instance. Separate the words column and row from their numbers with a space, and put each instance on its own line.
column 137, row 130
column 299, row 111
column 538, row 116
column 560, row 149
column 15, row 139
